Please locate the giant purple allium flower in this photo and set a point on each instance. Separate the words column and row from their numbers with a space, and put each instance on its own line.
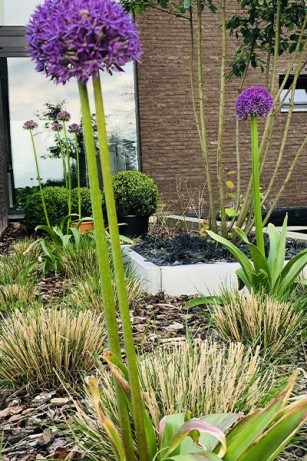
column 255, row 100
column 76, row 38
column 74, row 128
column 63, row 116
column 29, row 125
column 56, row 126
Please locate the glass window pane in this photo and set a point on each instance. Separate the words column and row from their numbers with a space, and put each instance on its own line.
column 29, row 91
column 300, row 100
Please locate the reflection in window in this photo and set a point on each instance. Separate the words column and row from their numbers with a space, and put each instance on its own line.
column 29, row 91
column 300, row 94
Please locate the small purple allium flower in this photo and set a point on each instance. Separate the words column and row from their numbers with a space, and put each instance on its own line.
column 255, row 100
column 63, row 116
column 74, row 128
column 29, row 125
column 56, row 126
column 77, row 38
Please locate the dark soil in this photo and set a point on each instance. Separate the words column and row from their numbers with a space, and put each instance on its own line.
column 193, row 249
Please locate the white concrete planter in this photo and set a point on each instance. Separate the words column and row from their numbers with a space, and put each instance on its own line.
column 191, row 279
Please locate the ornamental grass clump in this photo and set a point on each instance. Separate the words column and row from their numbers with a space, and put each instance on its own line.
column 198, row 377
column 260, row 321
column 41, row 347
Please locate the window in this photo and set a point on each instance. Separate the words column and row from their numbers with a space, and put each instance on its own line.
column 24, row 93
column 300, row 95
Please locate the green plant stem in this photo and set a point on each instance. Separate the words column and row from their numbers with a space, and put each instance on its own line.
column 63, row 159
column 220, row 172
column 78, row 175
column 256, row 184
column 136, row 398
column 39, row 179
column 103, row 264
column 202, row 118
column 68, row 173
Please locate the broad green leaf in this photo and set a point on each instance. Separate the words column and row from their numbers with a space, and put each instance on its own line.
column 238, row 254
column 203, row 300
column 252, row 426
column 231, row 212
column 195, row 457
column 168, row 427
column 242, row 234
column 245, row 280
column 192, row 429
column 276, row 259
column 291, row 271
column 270, row 444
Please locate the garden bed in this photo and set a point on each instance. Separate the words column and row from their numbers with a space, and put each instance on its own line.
column 188, row 264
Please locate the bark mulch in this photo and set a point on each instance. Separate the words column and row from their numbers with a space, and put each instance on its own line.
column 31, row 422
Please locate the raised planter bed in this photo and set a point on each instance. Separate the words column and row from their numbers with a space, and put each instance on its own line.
column 189, row 279
column 186, row 266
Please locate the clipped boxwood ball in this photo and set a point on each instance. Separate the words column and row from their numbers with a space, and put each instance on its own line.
column 56, row 204
column 135, row 194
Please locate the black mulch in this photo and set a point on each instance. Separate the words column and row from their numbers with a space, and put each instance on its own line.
column 193, row 249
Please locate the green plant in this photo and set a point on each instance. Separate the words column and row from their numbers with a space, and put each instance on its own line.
column 135, row 194
column 259, row 321
column 266, row 275
column 14, row 296
column 86, row 292
column 56, row 204
column 39, row 347
column 16, row 269
column 261, row 435
column 86, row 205
column 198, row 378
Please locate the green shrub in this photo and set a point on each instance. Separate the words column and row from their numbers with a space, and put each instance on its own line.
column 56, row 203
column 135, row 194
column 39, row 347
column 86, row 204
column 57, row 206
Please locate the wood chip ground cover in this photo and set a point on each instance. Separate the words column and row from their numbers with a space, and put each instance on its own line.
column 31, row 423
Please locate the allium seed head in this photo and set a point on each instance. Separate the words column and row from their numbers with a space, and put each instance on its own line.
column 29, row 125
column 255, row 100
column 56, row 126
column 63, row 116
column 77, row 38
column 74, row 128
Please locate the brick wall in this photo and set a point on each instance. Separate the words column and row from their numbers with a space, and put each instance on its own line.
column 170, row 150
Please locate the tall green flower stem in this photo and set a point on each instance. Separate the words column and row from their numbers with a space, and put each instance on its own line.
column 67, row 157
column 104, row 265
column 136, row 398
column 63, row 158
column 78, row 175
column 256, row 185
column 39, row 179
